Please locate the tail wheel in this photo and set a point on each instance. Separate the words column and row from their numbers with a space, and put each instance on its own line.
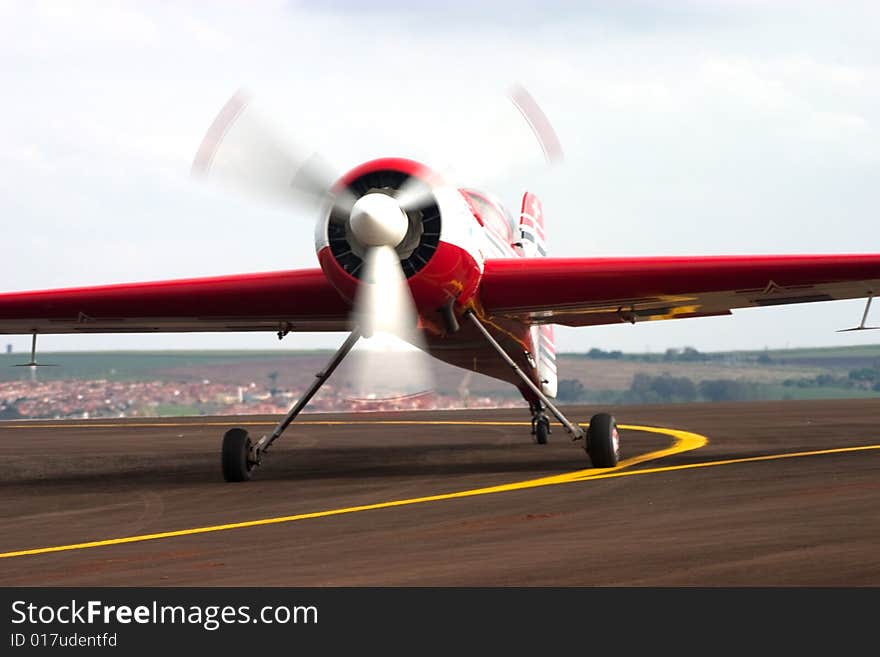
column 542, row 430
column 236, row 458
column 603, row 441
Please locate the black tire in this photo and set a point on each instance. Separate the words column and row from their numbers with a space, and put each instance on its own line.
column 603, row 441
column 542, row 430
column 236, row 461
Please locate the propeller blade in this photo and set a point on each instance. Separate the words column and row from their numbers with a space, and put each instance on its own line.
column 243, row 149
column 414, row 194
column 543, row 130
column 391, row 361
column 500, row 150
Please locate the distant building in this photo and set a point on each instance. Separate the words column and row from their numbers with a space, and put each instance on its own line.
column 9, row 349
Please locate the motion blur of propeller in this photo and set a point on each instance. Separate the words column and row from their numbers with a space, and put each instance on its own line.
column 413, row 195
column 384, row 304
column 541, row 127
column 243, row 150
column 393, row 361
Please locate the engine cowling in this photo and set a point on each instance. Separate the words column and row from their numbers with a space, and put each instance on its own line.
column 438, row 253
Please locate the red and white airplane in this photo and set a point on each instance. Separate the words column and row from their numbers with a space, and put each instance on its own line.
column 486, row 294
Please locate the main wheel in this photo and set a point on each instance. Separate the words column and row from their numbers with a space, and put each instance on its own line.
column 236, row 462
column 603, row 441
column 542, row 430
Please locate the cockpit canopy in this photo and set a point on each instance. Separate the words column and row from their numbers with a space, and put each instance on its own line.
column 491, row 214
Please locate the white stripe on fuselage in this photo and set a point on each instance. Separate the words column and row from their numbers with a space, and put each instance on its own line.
column 497, row 245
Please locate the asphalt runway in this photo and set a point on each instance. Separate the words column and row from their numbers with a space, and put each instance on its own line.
column 772, row 493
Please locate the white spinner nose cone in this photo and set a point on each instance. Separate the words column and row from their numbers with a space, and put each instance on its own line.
column 377, row 220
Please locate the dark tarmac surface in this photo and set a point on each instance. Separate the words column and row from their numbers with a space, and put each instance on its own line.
column 795, row 520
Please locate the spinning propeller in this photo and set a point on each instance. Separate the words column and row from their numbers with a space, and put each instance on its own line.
column 244, row 150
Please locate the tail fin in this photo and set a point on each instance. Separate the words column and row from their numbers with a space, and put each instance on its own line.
column 531, row 227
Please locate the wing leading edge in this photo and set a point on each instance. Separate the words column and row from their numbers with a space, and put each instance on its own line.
column 593, row 291
column 568, row 291
column 300, row 300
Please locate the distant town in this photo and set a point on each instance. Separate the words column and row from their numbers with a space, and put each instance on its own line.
column 84, row 385
column 75, row 399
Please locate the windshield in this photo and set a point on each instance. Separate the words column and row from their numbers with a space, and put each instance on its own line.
column 491, row 213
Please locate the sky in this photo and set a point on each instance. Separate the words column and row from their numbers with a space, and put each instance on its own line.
column 688, row 128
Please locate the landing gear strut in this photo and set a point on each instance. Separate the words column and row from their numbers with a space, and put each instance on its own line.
column 240, row 456
column 601, row 442
column 573, row 430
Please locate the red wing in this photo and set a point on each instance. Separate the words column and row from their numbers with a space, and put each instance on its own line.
column 300, row 300
column 591, row 291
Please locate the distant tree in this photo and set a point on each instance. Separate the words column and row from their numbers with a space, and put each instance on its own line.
column 641, row 383
column 865, row 374
column 9, row 412
column 690, row 354
column 671, row 354
column 645, row 388
column 674, row 388
column 727, row 390
column 570, row 390
column 764, row 359
column 601, row 354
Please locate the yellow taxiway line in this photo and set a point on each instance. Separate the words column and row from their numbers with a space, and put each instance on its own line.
column 683, row 441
